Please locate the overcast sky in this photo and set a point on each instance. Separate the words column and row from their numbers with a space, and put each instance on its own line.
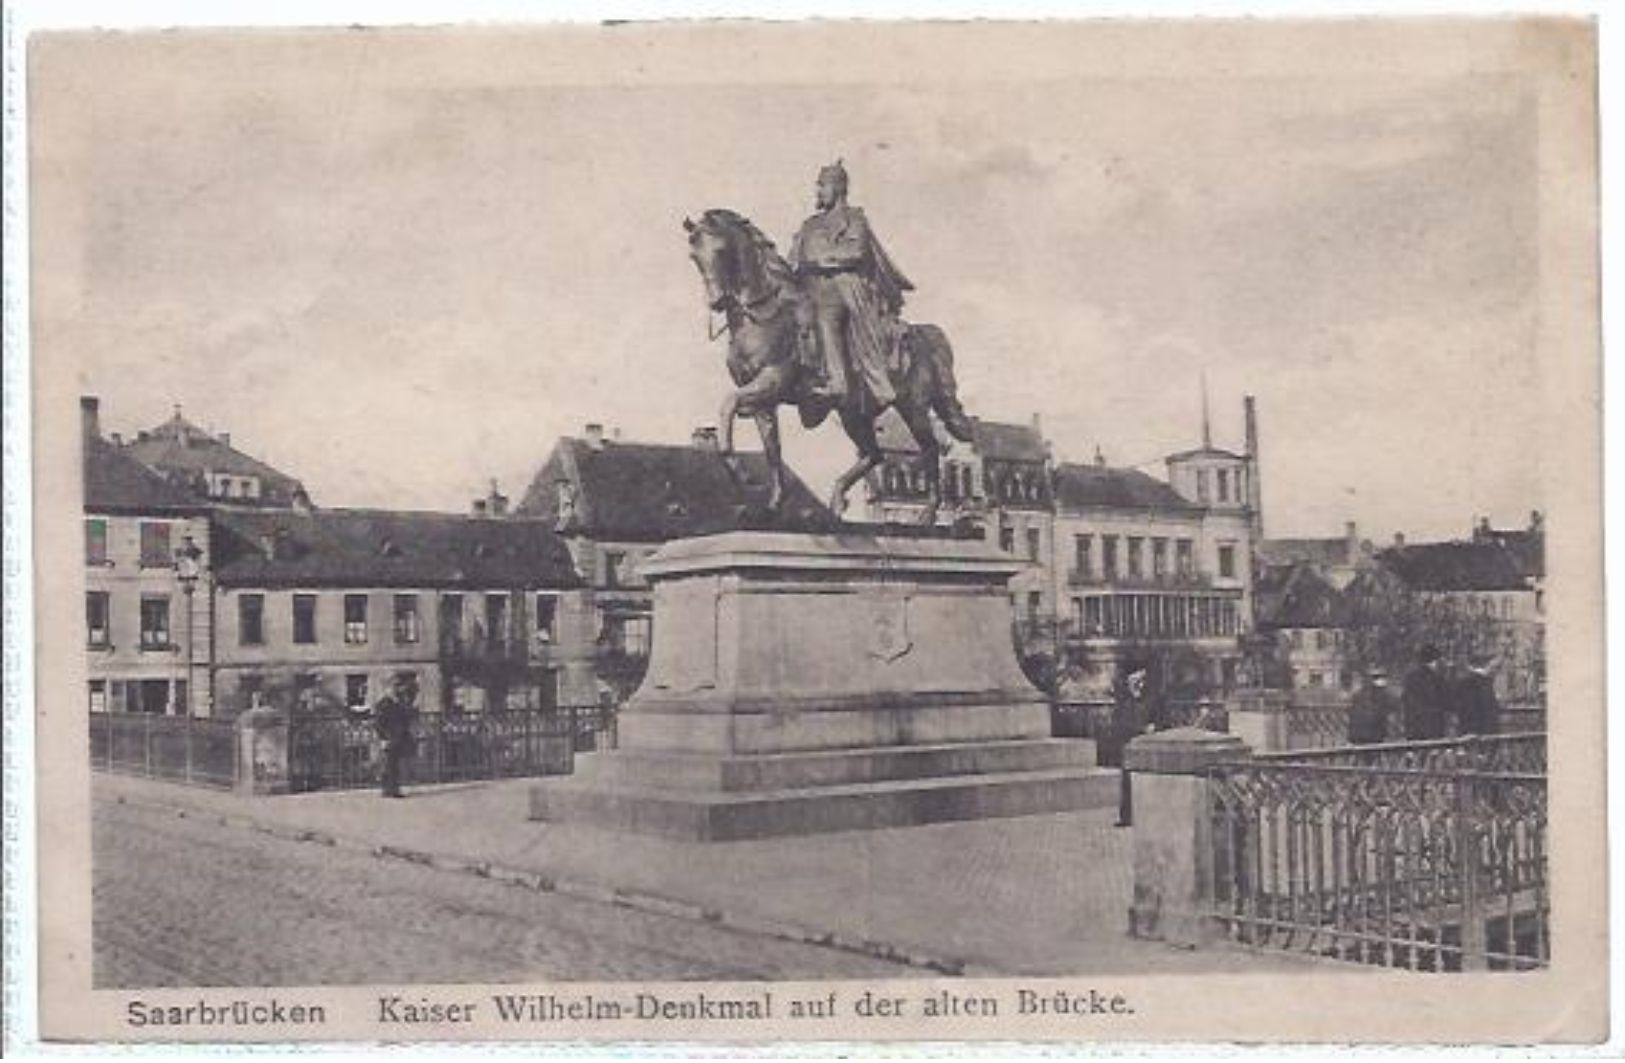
column 396, row 272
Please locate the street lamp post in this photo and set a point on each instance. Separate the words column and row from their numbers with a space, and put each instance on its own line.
column 187, row 570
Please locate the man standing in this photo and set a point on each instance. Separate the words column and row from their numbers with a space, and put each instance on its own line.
column 1477, row 708
column 855, row 293
column 1426, row 698
column 1371, row 710
column 1131, row 717
column 392, row 718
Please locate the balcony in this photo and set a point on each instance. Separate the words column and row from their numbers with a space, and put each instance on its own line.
column 1172, row 581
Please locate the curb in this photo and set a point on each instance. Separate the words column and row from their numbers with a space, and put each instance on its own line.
column 576, row 889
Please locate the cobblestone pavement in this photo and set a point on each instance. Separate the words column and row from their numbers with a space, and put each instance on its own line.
column 183, row 901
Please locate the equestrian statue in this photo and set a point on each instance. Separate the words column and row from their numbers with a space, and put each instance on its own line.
column 822, row 331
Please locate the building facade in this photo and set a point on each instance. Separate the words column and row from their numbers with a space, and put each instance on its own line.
column 148, row 554
column 1123, row 566
column 210, row 468
column 320, row 610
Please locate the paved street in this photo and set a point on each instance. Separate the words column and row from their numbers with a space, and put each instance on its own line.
column 186, row 901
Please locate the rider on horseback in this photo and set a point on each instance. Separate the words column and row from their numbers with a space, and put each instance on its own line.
column 855, row 295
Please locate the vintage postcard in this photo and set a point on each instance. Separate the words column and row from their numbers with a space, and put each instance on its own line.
column 743, row 532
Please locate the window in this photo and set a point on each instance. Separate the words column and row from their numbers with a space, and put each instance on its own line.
column 251, row 690
column 1083, row 554
column 1136, row 551
column 451, row 620
column 97, row 636
column 98, row 695
column 1320, row 639
column 1185, row 556
column 1227, row 561
column 1032, row 544
column 155, row 549
column 547, row 614
column 1108, row 556
column 1316, row 679
column 307, row 691
column 496, row 618
column 251, row 620
column 1035, row 604
column 613, row 560
column 627, row 635
column 355, row 690
column 1223, row 476
column 1159, row 557
column 1201, row 485
column 155, row 622
column 304, row 619
column 96, row 542
column 1007, row 539
column 407, row 626
column 355, row 619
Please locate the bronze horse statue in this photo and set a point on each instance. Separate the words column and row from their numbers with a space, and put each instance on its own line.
column 771, row 352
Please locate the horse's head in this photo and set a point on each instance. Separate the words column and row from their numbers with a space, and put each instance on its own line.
column 713, row 251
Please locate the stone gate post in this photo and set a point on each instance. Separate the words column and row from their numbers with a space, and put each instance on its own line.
column 262, row 752
column 1173, row 832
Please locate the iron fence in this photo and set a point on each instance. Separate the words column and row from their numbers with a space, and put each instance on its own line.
column 1523, row 754
column 198, row 752
column 1440, row 867
column 343, row 751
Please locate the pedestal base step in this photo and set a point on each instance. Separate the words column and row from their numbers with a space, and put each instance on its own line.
column 663, row 770
column 716, row 816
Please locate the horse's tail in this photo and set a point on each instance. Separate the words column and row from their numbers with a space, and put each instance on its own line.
column 933, row 351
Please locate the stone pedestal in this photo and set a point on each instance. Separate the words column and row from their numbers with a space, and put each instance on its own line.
column 1173, row 832
column 804, row 683
column 1259, row 717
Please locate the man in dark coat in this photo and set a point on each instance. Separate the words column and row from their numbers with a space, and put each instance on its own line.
column 1426, row 698
column 392, row 718
column 1477, row 708
column 1131, row 717
column 1373, row 706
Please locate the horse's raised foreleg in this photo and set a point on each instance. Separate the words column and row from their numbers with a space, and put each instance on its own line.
column 767, row 425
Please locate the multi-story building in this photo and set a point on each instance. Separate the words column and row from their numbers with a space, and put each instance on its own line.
column 1301, row 618
column 319, row 609
column 207, row 465
column 148, row 549
column 1336, row 559
column 614, row 503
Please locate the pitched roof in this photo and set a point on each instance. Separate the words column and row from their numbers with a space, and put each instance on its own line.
column 643, row 492
column 1329, row 552
column 1297, row 596
column 1008, row 442
column 387, row 548
column 1456, row 566
column 1102, row 487
column 114, row 482
column 1527, row 548
column 184, row 452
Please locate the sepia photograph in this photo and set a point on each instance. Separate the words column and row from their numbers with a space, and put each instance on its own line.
column 936, row 530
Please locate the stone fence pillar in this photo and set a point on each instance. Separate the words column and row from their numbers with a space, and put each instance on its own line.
column 1173, row 832
column 262, row 752
column 1259, row 718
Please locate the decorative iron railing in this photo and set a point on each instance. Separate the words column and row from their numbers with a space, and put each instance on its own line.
column 1424, row 857
column 343, row 751
column 1519, row 754
column 198, row 752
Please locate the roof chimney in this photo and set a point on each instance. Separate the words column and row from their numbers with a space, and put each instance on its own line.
column 118, row 440
column 497, row 502
column 90, row 416
column 1351, row 532
column 1399, row 539
column 480, row 508
column 225, row 439
column 705, row 437
column 594, row 432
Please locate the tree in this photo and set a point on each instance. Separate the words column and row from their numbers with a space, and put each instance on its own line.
column 1386, row 624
